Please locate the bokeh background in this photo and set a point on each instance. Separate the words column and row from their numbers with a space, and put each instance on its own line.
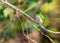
column 11, row 26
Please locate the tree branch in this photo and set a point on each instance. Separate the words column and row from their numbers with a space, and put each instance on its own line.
column 29, row 17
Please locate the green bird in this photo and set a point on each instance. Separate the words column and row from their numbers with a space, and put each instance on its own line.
column 39, row 17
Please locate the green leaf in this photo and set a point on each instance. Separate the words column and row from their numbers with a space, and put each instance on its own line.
column 9, row 30
column 12, row 1
column 58, row 20
column 46, row 22
column 51, row 14
column 5, row 6
column 54, row 29
column 8, row 11
column 9, row 27
column 12, row 27
column 1, row 5
column 2, row 17
column 49, row 1
column 18, row 26
column 1, row 11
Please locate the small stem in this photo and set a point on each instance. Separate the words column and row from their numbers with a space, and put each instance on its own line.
column 48, row 38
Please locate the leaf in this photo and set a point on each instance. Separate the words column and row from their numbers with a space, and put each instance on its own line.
column 12, row 1
column 9, row 30
column 18, row 26
column 58, row 20
column 45, row 7
column 8, row 11
column 12, row 27
column 49, row 1
column 46, row 22
column 52, row 28
column 1, row 5
column 2, row 17
column 51, row 14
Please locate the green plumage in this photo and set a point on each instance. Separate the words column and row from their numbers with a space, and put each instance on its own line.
column 41, row 16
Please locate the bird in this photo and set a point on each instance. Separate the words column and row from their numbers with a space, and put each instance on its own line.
column 39, row 17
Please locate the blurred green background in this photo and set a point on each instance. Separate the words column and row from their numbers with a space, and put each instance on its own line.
column 10, row 25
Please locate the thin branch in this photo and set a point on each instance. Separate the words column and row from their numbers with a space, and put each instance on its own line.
column 28, row 36
column 25, row 1
column 48, row 37
column 29, row 17
column 43, row 34
column 49, row 30
column 23, row 31
column 33, row 5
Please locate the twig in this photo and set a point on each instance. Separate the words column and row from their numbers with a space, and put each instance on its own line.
column 27, row 36
column 43, row 34
column 27, row 31
column 29, row 17
column 48, row 37
column 33, row 5
column 25, row 1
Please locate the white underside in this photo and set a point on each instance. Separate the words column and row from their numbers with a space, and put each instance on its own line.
column 38, row 19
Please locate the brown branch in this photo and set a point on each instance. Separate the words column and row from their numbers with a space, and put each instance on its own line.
column 48, row 38
column 44, row 34
column 23, row 30
column 29, row 17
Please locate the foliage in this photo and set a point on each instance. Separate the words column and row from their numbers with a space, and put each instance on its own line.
column 17, row 21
